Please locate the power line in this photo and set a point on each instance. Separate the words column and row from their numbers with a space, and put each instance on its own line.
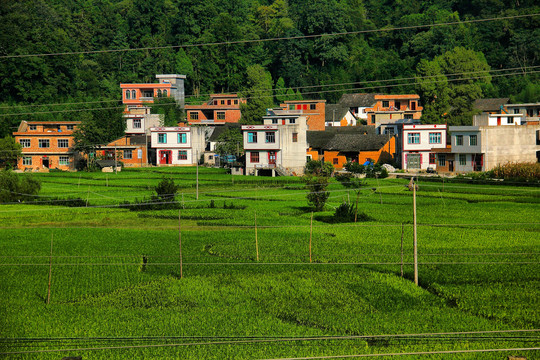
column 317, row 92
column 273, row 340
column 272, row 39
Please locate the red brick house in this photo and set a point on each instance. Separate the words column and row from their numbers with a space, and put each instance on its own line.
column 130, row 150
column 46, row 145
column 314, row 109
column 220, row 109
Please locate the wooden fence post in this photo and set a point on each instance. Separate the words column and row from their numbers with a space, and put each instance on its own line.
column 50, row 272
column 310, row 235
column 256, row 240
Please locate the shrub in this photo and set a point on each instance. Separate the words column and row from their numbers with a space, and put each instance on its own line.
column 15, row 187
column 354, row 167
column 316, row 178
column 517, row 171
column 166, row 190
column 347, row 213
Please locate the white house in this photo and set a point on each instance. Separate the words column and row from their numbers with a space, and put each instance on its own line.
column 178, row 145
column 417, row 144
column 339, row 115
column 277, row 146
column 499, row 119
column 139, row 121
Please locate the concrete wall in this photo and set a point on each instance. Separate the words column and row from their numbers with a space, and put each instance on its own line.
column 509, row 144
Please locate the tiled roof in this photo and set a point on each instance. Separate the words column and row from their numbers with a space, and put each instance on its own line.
column 493, row 104
column 218, row 130
column 357, row 100
column 335, row 112
column 347, row 139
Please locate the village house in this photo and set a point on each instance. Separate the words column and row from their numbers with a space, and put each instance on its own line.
column 139, row 121
column 314, row 110
column 220, row 109
column 138, row 95
column 178, row 145
column 339, row 115
column 132, row 151
column 481, row 148
column 47, row 145
column 417, row 145
column 279, row 145
column 530, row 112
column 350, row 144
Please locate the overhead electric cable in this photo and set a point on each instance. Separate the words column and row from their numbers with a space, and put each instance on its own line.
column 273, row 39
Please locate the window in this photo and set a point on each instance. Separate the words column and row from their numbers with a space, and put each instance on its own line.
column 389, row 131
column 43, row 143
column 222, row 102
column 462, row 159
column 270, row 137
column 442, row 159
column 25, row 143
column 385, row 103
column 335, row 161
column 27, row 160
column 228, row 102
column 408, row 116
column 292, row 121
column 432, row 158
column 128, row 93
column 63, row 143
column 397, row 105
column 137, row 123
column 312, row 106
column 194, row 116
column 254, row 156
column 459, row 140
column 215, row 102
column 252, row 137
column 128, row 154
column 413, row 138
column 305, row 106
column 165, row 93
column 516, row 111
column 510, row 120
column 291, row 107
column 182, row 138
column 235, row 102
column 413, row 105
column 159, row 93
column 221, row 115
column 182, row 155
column 162, row 138
column 33, row 127
column 274, row 121
column 473, row 140
column 70, row 127
column 294, row 137
column 63, row 160
column 435, row 138
column 373, row 119
column 133, row 94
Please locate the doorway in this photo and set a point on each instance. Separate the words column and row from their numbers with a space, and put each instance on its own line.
column 165, row 157
column 45, row 162
column 451, row 165
column 272, row 157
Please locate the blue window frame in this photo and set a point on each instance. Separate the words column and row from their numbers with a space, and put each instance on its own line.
column 162, row 138
column 434, row 137
column 413, row 138
column 182, row 138
column 252, row 137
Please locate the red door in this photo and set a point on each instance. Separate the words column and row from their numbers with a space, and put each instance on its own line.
column 499, row 121
column 272, row 157
column 165, row 156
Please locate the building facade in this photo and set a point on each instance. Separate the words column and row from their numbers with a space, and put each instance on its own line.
column 47, row 145
column 418, row 145
column 169, row 85
column 178, row 145
column 278, row 146
column 314, row 110
column 220, row 109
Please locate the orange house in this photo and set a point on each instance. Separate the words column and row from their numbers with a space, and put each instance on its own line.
column 169, row 85
column 220, row 109
column 46, row 145
column 389, row 108
column 315, row 110
column 130, row 150
column 356, row 145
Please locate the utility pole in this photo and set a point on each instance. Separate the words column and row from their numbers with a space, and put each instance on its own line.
column 256, row 239
column 197, row 160
column 50, row 272
column 115, row 161
column 415, row 237
column 180, row 241
column 310, row 235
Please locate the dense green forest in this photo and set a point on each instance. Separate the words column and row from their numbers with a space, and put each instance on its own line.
column 361, row 62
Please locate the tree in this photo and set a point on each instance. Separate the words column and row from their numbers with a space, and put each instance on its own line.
column 449, row 95
column 10, row 152
column 166, row 190
column 258, row 94
column 167, row 106
column 230, row 142
column 98, row 128
column 14, row 187
column 316, row 177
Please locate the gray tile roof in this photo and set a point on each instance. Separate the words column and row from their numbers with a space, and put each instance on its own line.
column 493, row 104
column 357, row 100
column 335, row 112
column 347, row 139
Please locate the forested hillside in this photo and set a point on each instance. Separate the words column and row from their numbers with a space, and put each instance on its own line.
column 362, row 61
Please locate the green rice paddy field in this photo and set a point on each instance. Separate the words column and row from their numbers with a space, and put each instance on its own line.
column 251, row 292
